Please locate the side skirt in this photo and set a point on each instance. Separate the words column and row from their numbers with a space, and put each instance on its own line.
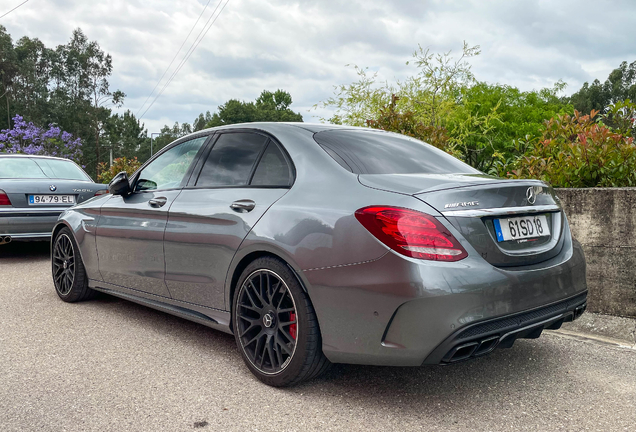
column 214, row 318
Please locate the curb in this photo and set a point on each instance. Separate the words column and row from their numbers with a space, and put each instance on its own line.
column 604, row 328
column 587, row 337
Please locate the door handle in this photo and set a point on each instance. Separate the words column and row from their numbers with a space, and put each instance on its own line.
column 157, row 202
column 243, row 206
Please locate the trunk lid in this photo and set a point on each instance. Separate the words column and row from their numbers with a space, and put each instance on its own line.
column 18, row 190
column 479, row 205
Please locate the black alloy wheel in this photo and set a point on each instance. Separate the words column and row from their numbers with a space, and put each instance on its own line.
column 69, row 275
column 267, row 321
column 63, row 264
column 275, row 325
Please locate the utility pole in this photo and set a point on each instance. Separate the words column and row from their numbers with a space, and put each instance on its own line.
column 152, row 135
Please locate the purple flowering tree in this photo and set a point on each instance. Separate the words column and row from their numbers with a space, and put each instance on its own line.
column 30, row 139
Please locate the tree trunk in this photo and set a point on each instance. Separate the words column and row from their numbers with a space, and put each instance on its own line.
column 97, row 149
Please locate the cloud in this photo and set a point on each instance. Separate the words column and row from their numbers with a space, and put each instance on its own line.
column 303, row 46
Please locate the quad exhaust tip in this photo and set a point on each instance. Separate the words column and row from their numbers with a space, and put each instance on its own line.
column 472, row 349
column 5, row 239
column 479, row 347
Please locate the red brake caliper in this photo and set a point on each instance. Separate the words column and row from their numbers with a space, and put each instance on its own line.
column 292, row 328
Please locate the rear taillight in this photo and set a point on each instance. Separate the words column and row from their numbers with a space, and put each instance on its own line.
column 101, row 192
column 4, row 199
column 411, row 233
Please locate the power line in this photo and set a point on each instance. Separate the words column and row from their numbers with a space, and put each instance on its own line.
column 14, row 9
column 173, row 58
column 188, row 54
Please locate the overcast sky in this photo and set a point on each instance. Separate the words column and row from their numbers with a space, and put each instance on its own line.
column 303, row 46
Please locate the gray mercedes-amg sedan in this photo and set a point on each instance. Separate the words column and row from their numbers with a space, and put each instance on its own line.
column 35, row 190
column 320, row 244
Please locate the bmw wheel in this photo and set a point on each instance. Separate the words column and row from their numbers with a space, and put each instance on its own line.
column 69, row 275
column 275, row 325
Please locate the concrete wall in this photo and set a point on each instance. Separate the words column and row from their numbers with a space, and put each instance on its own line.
column 604, row 221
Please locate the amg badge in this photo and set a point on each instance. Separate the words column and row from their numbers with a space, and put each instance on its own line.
column 462, row 204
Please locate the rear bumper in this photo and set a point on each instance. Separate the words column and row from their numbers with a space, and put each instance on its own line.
column 28, row 224
column 482, row 338
column 397, row 311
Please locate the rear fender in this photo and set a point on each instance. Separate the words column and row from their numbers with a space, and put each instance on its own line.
column 250, row 252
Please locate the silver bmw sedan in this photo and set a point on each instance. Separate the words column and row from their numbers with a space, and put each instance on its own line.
column 320, row 244
column 35, row 190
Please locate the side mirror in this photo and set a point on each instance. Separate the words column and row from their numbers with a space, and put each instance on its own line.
column 120, row 185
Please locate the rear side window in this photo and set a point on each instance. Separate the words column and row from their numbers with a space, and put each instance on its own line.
column 273, row 169
column 370, row 152
column 231, row 160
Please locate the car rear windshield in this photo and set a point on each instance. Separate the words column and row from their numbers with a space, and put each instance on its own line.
column 32, row 168
column 375, row 152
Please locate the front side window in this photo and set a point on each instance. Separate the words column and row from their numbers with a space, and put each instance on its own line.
column 231, row 160
column 169, row 169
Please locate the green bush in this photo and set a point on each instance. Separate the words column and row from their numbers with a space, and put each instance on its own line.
column 120, row 164
column 406, row 123
column 576, row 151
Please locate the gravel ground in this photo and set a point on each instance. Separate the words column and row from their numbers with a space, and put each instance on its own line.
column 111, row 365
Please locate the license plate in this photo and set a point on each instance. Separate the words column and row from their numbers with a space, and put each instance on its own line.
column 523, row 227
column 51, row 199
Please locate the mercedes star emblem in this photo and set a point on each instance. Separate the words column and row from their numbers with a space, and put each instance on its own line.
column 531, row 195
column 268, row 320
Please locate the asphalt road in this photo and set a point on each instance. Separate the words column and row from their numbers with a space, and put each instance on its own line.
column 111, row 365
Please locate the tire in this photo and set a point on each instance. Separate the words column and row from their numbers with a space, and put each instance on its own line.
column 275, row 325
column 69, row 274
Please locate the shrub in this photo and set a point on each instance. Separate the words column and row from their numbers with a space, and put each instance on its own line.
column 120, row 164
column 576, row 151
column 405, row 123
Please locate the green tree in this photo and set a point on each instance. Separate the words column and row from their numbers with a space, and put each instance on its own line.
column 8, row 71
column 167, row 135
column 442, row 103
column 125, row 135
column 269, row 106
column 405, row 123
column 621, row 117
column 200, row 122
column 25, row 76
column 619, row 86
column 83, row 91
column 490, row 122
column 430, row 93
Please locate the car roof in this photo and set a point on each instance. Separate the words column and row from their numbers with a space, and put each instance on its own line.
column 24, row 156
column 272, row 126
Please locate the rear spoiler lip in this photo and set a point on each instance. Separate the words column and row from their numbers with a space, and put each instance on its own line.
column 495, row 183
column 502, row 211
column 440, row 183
